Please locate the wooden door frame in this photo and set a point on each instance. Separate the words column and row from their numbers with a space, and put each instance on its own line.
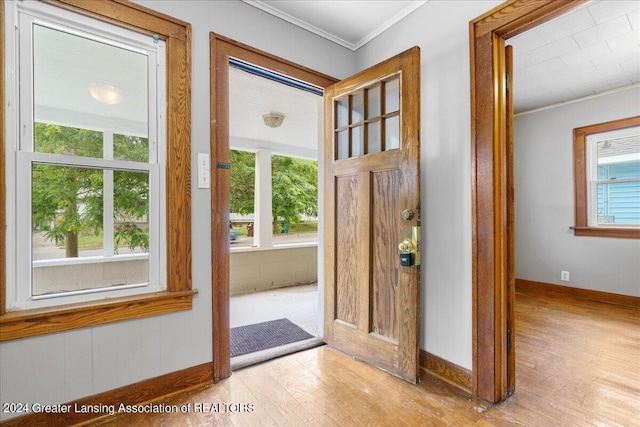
column 491, row 223
column 221, row 49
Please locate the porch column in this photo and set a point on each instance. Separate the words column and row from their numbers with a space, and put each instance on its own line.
column 263, row 234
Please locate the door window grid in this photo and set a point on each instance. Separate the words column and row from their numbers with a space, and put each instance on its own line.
column 367, row 120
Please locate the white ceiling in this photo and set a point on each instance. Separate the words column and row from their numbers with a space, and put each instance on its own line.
column 334, row 20
column 592, row 50
column 589, row 51
column 251, row 96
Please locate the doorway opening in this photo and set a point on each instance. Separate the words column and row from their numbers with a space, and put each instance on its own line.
column 493, row 224
column 224, row 50
column 274, row 214
column 556, row 54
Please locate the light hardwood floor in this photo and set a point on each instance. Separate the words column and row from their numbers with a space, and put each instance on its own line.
column 578, row 364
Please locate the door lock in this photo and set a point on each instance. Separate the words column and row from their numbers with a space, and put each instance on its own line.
column 407, row 245
column 408, row 250
column 410, row 247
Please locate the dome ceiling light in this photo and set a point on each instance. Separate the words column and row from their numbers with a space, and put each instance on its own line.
column 273, row 120
column 105, row 93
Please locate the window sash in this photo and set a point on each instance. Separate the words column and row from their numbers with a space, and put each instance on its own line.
column 153, row 50
column 18, row 290
column 592, row 141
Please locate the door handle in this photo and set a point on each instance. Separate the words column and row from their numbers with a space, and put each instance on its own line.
column 407, row 245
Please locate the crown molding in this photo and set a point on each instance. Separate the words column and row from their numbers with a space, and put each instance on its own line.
column 331, row 37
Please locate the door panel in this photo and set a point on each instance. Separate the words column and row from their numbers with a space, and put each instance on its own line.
column 371, row 155
column 346, row 260
column 385, row 260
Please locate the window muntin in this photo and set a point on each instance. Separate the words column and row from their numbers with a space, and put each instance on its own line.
column 110, row 144
column 367, row 121
column 613, row 160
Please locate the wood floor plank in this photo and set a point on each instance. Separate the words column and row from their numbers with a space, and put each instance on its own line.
column 577, row 364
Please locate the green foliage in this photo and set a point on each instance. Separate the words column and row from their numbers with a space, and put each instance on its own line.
column 295, row 188
column 55, row 139
column 132, row 236
column 131, row 148
column 294, row 181
column 67, row 201
column 241, row 181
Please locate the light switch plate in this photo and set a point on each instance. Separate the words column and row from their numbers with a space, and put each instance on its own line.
column 203, row 161
column 204, row 179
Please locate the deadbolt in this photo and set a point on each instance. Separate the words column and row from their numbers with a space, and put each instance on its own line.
column 407, row 214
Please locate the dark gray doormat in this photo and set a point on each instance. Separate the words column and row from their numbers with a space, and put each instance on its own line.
column 261, row 336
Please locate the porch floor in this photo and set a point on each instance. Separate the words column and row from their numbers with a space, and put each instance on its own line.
column 299, row 304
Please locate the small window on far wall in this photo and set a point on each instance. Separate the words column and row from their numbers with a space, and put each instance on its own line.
column 607, row 179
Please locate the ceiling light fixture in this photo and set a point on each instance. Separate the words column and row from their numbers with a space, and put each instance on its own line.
column 273, row 120
column 105, row 93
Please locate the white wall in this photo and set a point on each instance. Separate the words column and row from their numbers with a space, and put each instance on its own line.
column 441, row 30
column 65, row 366
column 545, row 206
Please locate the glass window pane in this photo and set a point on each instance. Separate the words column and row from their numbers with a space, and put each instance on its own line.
column 68, row 212
column 373, row 135
column 71, row 141
column 392, row 133
column 343, row 145
column 66, row 207
column 618, row 158
column 373, row 102
column 131, row 211
column 357, row 107
column 342, row 112
column 392, row 95
column 133, row 148
column 85, row 83
column 357, row 141
column 619, row 203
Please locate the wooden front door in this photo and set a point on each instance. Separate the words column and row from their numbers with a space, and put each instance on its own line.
column 372, row 202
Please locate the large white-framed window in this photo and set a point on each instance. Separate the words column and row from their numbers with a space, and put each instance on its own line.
column 607, row 179
column 86, row 153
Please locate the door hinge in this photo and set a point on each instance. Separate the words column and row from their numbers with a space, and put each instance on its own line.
column 506, row 82
column 508, row 339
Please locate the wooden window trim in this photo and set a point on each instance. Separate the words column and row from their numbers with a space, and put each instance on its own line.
column 582, row 227
column 178, row 296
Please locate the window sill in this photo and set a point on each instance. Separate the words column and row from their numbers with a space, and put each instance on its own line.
column 29, row 323
column 617, row 232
